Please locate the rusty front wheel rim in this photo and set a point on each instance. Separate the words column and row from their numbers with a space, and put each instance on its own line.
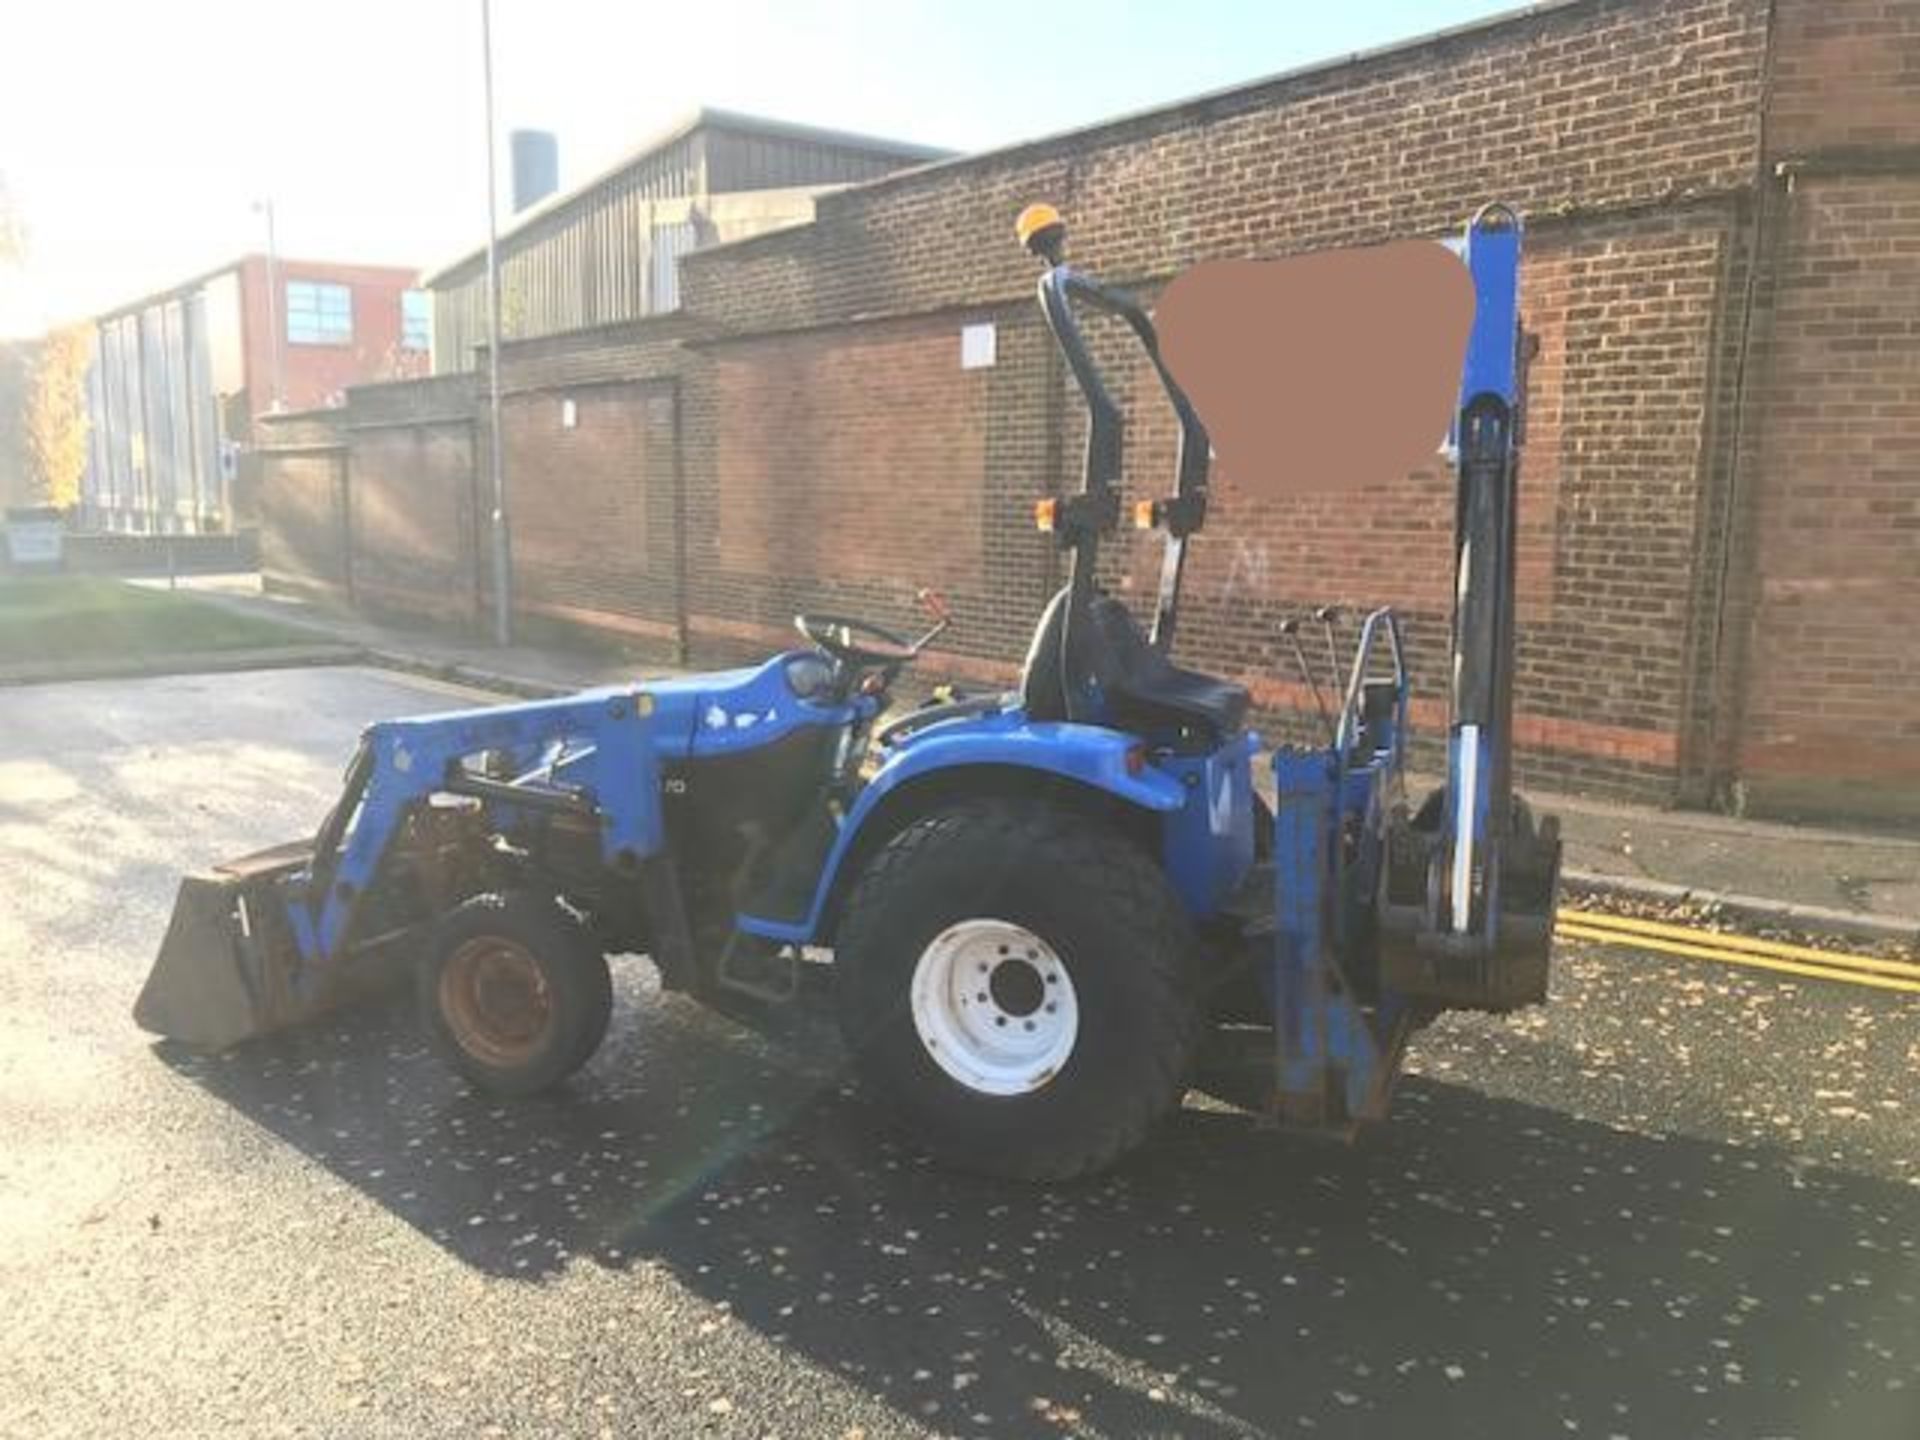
column 496, row 1001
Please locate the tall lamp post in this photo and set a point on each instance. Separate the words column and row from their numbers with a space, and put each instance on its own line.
column 502, row 549
column 276, row 335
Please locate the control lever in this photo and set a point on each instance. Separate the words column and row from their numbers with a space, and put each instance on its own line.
column 1329, row 616
column 1290, row 627
column 935, row 604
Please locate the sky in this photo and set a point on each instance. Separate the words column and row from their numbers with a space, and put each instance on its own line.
column 138, row 136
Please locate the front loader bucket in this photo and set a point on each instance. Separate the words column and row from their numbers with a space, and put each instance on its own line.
column 228, row 969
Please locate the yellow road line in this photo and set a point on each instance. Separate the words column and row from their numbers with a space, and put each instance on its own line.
column 1570, row 931
column 1746, row 944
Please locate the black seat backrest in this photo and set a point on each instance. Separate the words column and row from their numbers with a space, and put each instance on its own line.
column 1106, row 645
column 1143, row 690
column 1043, row 690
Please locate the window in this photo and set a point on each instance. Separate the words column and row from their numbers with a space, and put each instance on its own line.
column 416, row 320
column 319, row 314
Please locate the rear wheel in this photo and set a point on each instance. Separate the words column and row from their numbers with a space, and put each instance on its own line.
column 1019, row 985
column 514, row 994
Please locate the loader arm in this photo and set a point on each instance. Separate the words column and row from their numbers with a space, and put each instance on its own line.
column 612, row 774
column 273, row 939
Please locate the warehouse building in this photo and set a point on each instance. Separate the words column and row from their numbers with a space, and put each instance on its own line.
column 609, row 250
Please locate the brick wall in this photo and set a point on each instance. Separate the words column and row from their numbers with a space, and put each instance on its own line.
column 591, row 506
column 1818, row 710
column 1626, row 132
column 300, row 491
column 1718, row 503
column 1846, row 74
column 412, row 521
column 842, row 469
column 1829, row 717
column 303, row 518
column 374, row 503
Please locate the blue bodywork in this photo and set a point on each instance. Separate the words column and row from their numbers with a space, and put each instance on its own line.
column 1207, row 845
column 1491, row 373
column 1336, row 1057
column 607, row 747
column 604, row 747
column 1206, row 802
column 1492, row 256
column 403, row 761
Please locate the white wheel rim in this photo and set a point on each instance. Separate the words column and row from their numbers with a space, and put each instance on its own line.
column 994, row 1007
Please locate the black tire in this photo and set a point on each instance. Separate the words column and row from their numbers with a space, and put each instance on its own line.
column 514, row 994
column 1107, row 912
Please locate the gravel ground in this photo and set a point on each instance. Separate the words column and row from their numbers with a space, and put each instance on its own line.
column 1681, row 1201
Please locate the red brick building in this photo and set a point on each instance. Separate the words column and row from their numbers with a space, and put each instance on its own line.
column 180, row 376
column 1721, row 522
column 321, row 354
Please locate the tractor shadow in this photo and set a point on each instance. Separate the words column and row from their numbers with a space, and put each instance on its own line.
column 1479, row 1267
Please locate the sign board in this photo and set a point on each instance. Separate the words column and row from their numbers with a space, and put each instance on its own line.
column 34, row 542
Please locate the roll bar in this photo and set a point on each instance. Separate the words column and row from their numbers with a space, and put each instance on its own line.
column 1084, row 517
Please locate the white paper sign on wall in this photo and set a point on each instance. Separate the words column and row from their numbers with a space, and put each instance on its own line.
column 977, row 346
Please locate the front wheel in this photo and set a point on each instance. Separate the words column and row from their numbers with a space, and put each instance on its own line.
column 1018, row 983
column 514, row 993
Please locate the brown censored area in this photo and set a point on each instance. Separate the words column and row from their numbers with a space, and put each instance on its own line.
column 1321, row 371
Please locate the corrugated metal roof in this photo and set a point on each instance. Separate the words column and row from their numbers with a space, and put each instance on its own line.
column 704, row 119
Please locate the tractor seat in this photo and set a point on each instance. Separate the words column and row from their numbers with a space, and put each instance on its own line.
column 1145, row 691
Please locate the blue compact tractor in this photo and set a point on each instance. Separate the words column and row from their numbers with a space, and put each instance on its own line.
column 1031, row 910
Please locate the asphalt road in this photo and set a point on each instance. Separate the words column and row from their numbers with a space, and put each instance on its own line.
column 1681, row 1201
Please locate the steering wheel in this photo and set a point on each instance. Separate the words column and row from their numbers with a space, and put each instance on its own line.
column 855, row 642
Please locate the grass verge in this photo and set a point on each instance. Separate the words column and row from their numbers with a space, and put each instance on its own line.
column 74, row 617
